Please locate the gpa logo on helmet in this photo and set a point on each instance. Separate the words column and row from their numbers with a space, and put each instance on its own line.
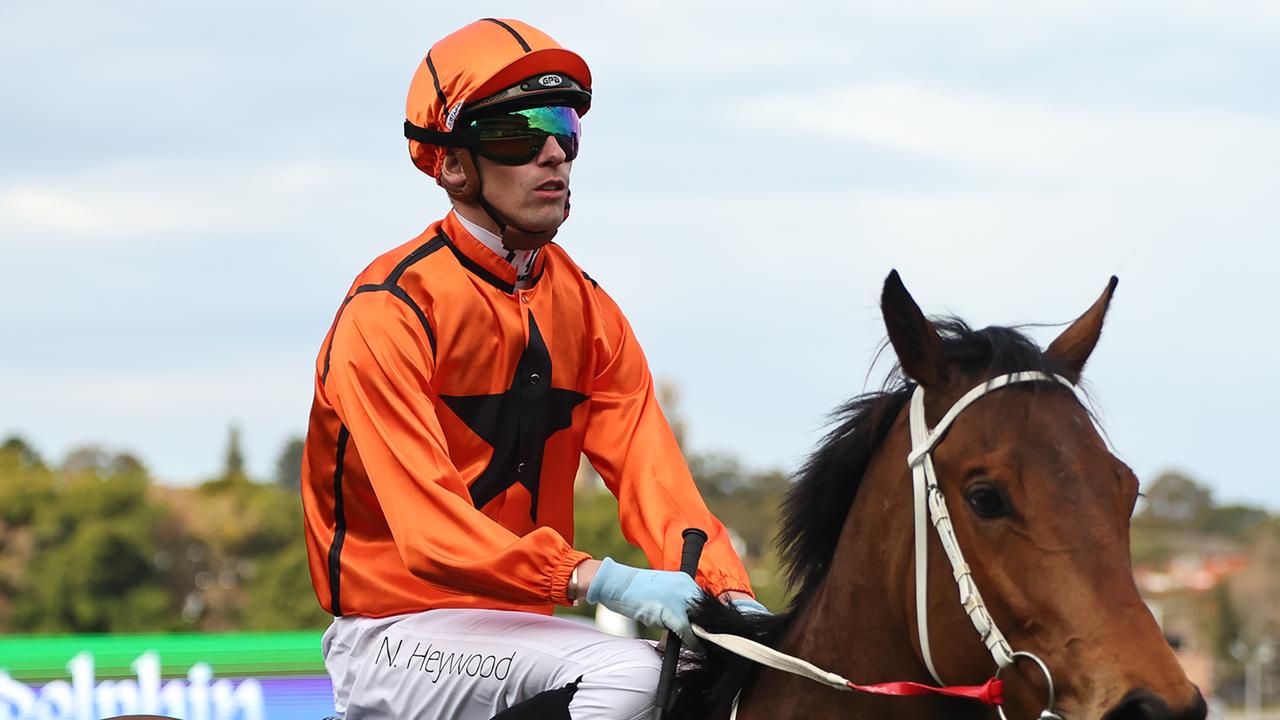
column 453, row 116
column 550, row 81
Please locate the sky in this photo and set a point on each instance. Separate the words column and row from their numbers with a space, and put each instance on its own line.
column 187, row 189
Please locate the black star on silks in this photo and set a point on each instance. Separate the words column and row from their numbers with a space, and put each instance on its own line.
column 517, row 423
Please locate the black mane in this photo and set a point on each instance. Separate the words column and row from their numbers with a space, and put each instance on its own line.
column 819, row 500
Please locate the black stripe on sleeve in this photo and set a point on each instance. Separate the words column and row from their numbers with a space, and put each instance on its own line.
column 399, row 292
column 391, row 285
column 436, row 243
column 339, row 526
column 514, row 34
column 328, row 351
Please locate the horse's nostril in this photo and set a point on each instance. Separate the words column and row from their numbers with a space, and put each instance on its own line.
column 1140, row 705
column 1146, row 705
column 1198, row 710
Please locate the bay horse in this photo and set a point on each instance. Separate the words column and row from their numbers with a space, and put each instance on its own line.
column 1040, row 508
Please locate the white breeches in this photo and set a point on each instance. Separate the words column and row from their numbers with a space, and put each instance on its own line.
column 474, row 664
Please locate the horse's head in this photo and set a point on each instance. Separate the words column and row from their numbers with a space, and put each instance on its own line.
column 1041, row 509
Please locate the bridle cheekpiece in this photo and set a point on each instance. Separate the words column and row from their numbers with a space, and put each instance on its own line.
column 930, row 503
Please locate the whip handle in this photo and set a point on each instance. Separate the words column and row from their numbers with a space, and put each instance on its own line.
column 689, row 556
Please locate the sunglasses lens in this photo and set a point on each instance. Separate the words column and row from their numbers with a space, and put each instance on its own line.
column 569, row 144
column 557, row 120
column 510, row 149
column 518, row 137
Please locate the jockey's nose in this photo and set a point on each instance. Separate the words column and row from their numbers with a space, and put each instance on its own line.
column 1146, row 705
column 551, row 152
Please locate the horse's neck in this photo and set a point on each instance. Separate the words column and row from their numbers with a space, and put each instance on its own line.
column 859, row 623
column 858, row 618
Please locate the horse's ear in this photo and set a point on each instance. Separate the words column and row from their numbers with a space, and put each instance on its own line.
column 1074, row 346
column 914, row 338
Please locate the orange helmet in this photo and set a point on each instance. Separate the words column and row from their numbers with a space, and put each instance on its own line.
column 479, row 62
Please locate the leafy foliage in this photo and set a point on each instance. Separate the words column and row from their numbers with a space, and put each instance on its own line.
column 289, row 464
column 94, row 546
column 87, row 538
column 1175, row 499
column 234, row 463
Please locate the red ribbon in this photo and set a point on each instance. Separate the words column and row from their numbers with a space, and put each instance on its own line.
column 991, row 692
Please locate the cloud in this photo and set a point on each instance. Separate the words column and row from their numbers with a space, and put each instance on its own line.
column 27, row 209
column 1027, row 141
column 145, row 203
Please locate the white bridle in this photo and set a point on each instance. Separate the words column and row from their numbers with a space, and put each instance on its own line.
column 930, row 502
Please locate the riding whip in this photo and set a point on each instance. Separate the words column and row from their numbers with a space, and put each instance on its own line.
column 689, row 556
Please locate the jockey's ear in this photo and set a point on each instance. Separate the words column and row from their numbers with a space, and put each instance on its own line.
column 1074, row 346
column 458, row 174
column 914, row 338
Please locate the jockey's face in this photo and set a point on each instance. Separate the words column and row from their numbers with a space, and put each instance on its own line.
column 531, row 196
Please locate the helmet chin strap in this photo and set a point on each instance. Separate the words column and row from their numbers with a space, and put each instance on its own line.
column 513, row 236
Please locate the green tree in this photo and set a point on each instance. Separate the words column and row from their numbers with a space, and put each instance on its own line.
column 289, row 464
column 1175, row 499
column 233, row 464
column 1228, row 626
column 280, row 594
column 93, row 567
column 1236, row 522
column 25, row 486
column 252, row 571
column 96, row 547
column 86, row 459
column 23, row 452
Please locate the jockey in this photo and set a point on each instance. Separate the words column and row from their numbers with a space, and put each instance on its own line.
column 465, row 374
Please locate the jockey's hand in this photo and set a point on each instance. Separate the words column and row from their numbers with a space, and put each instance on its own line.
column 743, row 602
column 747, row 606
column 657, row 598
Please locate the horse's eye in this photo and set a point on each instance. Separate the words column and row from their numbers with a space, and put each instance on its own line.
column 987, row 501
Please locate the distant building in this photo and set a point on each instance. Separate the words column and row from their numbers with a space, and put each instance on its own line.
column 1177, row 593
column 1189, row 572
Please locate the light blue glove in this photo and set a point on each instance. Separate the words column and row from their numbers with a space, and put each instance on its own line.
column 657, row 598
column 747, row 606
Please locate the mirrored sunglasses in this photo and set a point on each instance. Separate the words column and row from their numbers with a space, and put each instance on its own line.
column 517, row 137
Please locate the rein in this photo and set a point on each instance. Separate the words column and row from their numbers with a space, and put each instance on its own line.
column 929, row 503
